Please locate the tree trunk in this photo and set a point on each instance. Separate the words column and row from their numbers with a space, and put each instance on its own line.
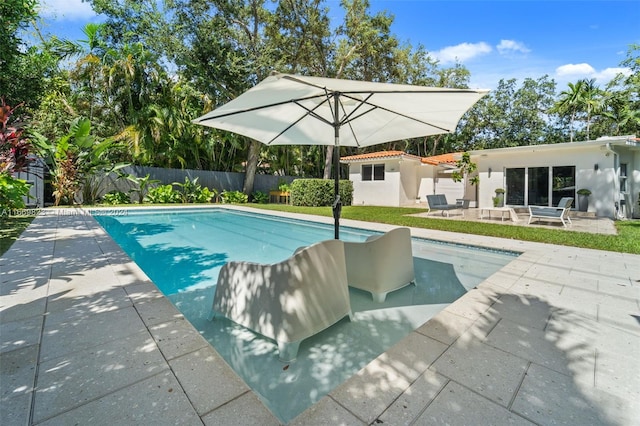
column 252, row 167
column 327, row 163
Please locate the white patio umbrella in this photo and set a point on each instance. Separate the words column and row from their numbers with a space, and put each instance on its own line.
column 286, row 109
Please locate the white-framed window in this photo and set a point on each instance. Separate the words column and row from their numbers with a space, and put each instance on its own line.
column 373, row 172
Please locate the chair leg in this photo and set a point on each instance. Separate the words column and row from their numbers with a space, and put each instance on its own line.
column 379, row 297
column 288, row 351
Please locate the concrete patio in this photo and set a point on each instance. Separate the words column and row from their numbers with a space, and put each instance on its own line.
column 87, row 338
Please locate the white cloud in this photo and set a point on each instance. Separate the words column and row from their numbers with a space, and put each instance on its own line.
column 66, row 10
column 509, row 46
column 608, row 74
column 575, row 70
column 462, row 52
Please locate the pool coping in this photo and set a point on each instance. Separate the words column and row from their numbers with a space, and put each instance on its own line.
column 411, row 382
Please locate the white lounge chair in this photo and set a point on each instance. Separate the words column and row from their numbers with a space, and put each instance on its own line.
column 287, row 301
column 561, row 212
column 381, row 264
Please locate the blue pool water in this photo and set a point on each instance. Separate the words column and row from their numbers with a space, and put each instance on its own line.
column 182, row 252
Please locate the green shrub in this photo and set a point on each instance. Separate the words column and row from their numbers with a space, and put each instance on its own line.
column 163, row 194
column 260, row 197
column 319, row 192
column 234, row 197
column 12, row 191
column 116, row 197
column 193, row 192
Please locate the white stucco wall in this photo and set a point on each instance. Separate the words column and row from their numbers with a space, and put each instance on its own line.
column 408, row 182
column 376, row 192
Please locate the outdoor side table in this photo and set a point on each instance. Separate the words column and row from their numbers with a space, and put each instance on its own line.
column 502, row 210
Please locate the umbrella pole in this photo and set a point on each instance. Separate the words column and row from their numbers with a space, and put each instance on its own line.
column 337, row 204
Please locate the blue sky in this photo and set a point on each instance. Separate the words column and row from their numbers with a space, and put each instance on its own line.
column 565, row 39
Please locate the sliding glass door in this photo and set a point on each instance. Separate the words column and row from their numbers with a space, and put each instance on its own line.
column 539, row 186
column 564, row 183
column 515, row 186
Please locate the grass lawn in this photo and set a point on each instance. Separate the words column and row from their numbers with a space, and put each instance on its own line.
column 10, row 230
column 627, row 240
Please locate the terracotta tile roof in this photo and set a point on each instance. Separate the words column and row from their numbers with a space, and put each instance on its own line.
column 435, row 160
column 375, row 155
column 440, row 159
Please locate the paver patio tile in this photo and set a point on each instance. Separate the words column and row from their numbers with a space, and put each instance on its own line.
column 157, row 311
column 525, row 310
column 23, row 305
column 545, row 395
column 18, row 372
column 207, row 379
column 157, row 400
column 457, row 405
column 409, row 405
column 82, row 300
column 246, row 409
column 490, row 372
column 79, row 377
column 326, row 411
column 560, row 352
column 177, row 337
column 20, row 334
column 66, row 332
column 15, row 411
column 376, row 386
column 445, row 327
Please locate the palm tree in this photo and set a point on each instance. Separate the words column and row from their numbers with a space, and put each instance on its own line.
column 570, row 101
column 591, row 100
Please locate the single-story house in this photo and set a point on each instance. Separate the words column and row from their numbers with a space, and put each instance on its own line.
column 609, row 167
column 395, row 178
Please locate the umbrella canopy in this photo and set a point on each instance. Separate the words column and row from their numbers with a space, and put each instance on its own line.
column 286, row 109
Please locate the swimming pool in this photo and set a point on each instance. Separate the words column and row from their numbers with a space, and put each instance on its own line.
column 182, row 251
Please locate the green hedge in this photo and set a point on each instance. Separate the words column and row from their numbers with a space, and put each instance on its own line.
column 319, row 192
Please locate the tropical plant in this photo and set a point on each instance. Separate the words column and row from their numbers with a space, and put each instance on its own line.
column 193, row 192
column 143, row 184
column 12, row 192
column 260, row 197
column 79, row 162
column 230, row 197
column 583, row 191
column 163, row 194
column 466, row 168
column 14, row 146
column 116, row 197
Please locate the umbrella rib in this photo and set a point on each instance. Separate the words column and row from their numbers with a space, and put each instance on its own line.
column 256, row 108
column 309, row 112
